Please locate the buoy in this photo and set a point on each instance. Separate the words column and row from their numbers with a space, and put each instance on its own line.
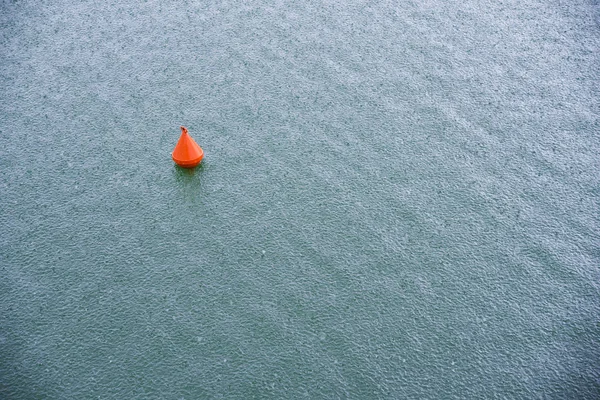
column 187, row 153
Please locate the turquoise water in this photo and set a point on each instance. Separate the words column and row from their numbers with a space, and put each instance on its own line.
column 397, row 200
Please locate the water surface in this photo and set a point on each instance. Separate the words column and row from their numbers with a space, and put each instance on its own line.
column 398, row 200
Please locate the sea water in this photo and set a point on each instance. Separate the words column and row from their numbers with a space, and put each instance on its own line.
column 399, row 199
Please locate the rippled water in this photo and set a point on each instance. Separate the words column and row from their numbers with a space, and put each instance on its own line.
column 398, row 200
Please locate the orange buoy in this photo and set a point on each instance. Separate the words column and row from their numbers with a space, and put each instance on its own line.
column 187, row 153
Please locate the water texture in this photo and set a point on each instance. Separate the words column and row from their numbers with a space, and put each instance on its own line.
column 399, row 199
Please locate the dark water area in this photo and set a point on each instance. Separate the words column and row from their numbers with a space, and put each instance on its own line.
column 397, row 200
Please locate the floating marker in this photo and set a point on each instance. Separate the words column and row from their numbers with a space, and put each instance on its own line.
column 187, row 153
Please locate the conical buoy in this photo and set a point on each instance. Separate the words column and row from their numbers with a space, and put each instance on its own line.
column 187, row 153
